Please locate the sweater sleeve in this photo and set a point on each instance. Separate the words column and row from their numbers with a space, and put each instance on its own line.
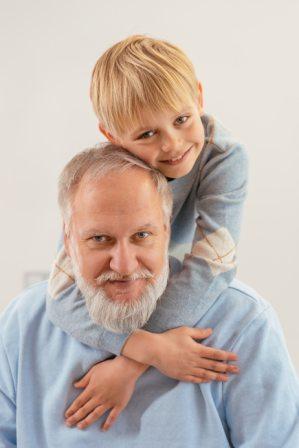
column 206, row 271
column 211, row 265
column 262, row 403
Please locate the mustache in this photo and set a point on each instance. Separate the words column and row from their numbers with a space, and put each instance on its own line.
column 110, row 276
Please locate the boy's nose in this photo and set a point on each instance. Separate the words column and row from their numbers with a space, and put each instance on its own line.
column 123, row 259
column 170, row 143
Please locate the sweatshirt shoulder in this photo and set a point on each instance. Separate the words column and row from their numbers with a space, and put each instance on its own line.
column 23, row 309
column 236, row 309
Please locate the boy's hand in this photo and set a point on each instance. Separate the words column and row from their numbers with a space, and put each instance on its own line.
column 108, row 385
column 177, row 354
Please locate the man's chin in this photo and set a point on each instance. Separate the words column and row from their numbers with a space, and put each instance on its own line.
column 128, row 310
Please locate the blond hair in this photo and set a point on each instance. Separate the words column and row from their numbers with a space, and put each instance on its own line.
column 94, row 163
column 140, row 73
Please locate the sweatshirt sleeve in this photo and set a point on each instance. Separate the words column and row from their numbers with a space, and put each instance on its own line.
column 7, row 402
column 206, row 271
column 262, row 403
column 211, row 265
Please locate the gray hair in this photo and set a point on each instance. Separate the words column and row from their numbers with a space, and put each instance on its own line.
column 98, row 161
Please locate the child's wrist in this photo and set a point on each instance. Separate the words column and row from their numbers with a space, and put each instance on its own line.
column 134, row 367
column 142, row 346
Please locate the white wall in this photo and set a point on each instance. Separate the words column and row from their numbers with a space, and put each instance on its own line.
column 245, row 53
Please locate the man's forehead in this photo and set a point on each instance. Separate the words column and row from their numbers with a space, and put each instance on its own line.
column 121, row 191
column 118, row 202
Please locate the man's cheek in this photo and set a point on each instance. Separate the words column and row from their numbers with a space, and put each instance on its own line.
column 90, row 268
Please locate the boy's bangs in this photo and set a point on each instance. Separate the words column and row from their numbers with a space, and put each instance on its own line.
column 150, row 95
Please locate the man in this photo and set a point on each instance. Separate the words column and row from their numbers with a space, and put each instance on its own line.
column 258, row 408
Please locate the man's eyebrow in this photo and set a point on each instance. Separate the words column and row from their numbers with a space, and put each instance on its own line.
column 146, row 226
column 91, row 231
column 96, row 231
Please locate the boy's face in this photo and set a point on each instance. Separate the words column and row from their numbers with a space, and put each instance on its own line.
column 170, row 142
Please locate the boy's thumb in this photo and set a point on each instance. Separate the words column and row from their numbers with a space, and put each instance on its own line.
column 81, row 383
column 201, row 333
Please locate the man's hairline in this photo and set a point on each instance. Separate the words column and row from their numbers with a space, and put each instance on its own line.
column 89, row 178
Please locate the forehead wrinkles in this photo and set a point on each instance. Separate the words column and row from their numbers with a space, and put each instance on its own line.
column 127, row 194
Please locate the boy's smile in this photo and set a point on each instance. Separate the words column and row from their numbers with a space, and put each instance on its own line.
column 168, row 141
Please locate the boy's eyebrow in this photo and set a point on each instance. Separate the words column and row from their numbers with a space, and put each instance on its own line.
column 139, row 131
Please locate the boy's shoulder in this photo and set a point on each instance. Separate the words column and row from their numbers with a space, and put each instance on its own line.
column 217, row 135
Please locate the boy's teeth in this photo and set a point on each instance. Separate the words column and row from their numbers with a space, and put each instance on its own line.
column 178, row 158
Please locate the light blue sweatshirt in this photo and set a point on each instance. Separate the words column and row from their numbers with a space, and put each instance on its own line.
column 259, row 408
column 206, row 221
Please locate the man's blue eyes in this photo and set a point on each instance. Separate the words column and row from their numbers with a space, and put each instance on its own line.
column 142, row 235
column 99, row 238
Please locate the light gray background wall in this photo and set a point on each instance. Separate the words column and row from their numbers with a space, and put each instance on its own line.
column 245, row 53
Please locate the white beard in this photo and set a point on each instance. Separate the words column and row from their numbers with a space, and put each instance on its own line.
column 122, row 317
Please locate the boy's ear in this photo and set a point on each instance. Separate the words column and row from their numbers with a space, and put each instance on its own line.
column 107, row 134
column 200, row 96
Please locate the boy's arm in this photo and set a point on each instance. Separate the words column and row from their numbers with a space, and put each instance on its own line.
column 262, row 403
column 211, row 266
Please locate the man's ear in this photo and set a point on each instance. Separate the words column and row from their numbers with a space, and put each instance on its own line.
column 167, row 230
column 107, row 134
column 66, row 239
column 200, row 97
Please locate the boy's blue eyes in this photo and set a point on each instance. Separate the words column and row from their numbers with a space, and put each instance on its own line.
column 182, row 119
column 148, row 134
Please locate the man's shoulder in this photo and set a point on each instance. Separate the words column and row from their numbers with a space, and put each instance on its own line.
column 242, row 291
column 23, row 309
column 242, row 301
column 237, row 309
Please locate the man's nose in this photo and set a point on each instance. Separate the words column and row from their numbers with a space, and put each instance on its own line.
column 170, row 142
column 123, row 259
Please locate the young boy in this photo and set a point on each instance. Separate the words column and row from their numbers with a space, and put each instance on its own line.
column 148, row 100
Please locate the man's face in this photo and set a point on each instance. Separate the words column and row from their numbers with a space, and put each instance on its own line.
column 118, row 237
column 168, row 141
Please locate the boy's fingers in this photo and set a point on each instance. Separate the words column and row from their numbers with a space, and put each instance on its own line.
column 83, row 381
column 93, row 416
column 81, row 413
column 78, row 403
column 216, row 366
column 195, row 379
column 200, row 333
column 209, row 376
column 111, row 419
column 213, row 353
